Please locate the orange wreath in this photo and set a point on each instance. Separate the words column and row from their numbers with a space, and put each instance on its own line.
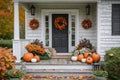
column 86, row 24
column 60, row 23
column 34, row 24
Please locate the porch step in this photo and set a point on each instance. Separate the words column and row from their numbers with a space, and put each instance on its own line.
column 57, row 67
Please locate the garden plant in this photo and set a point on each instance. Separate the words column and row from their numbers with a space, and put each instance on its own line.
column 7, row 61
column 112, row 63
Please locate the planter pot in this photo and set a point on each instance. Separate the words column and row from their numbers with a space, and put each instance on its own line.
column 100, row 78
column 15, row 79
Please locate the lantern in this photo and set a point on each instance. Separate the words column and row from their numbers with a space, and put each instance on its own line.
column 88, row 9
column 32, row 8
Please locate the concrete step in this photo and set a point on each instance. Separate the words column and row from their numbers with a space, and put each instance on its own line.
column 56, row 67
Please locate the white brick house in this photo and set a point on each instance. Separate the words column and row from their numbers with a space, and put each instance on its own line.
column 102, row 14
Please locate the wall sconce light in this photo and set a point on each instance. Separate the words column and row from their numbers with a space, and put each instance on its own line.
column 32, row 8
column 88, row 9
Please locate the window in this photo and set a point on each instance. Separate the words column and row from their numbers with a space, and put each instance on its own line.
column 73, row 30
column 47, row 30
column 116, row 19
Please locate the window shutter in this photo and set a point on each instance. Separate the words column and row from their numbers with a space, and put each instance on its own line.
column 116, row 19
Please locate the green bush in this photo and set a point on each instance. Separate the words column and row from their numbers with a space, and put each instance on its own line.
column 112, row 63
column 6, row 43
column 100, row 73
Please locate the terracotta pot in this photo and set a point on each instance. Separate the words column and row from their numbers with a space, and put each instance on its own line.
column 100, row 78
column 15, row 79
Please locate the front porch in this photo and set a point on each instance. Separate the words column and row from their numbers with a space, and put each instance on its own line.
column 44, row 13
column 76, row 11
column 46, row 10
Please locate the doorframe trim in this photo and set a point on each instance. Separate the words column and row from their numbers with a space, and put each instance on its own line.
column 49, row 12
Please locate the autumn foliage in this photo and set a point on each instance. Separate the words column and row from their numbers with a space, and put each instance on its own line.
column 35, row 49
column 7, row 60
column 7, row 19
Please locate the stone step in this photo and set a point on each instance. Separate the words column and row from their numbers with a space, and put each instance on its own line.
column 56, row 67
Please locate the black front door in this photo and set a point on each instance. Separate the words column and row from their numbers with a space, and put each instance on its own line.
column 60, row 36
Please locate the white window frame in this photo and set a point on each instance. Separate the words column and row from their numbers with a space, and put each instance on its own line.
column 70, row 12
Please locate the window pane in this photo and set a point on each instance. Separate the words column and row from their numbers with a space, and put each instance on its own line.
column 73, row 43
column 73, row 30
column 47, row 30
column 46, row 18
column 73, row 37
column 116, row 19
column 46, row 24
column 73, row 24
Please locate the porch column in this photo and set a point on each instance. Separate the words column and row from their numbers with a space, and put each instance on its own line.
column 99, row 29
column 16, row 21
column 16, row 41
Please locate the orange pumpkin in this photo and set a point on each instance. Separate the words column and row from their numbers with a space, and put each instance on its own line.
column 89, row 60
column 80, row 57
column 37, row 57
column 27, row 57
column 86, row 54
column 96, row 57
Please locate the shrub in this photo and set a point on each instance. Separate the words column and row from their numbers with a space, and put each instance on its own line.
column 100, row 73
column 112, row 63
column 6, row 43
column 14, row 73
column 7, row 61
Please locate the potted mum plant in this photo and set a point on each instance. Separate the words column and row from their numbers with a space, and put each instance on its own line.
column 7, row 61
column 100, row 75
column 36, row 48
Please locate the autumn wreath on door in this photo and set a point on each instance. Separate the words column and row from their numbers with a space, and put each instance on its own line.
column 34, row 24
column 60, row 23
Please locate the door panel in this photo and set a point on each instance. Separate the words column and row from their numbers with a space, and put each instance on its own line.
column 60, row 37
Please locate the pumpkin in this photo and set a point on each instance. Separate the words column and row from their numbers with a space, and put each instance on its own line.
column 89, row 60
column 27, row 57
column 80, row 57
column 96, row 57
column 86, row 54
column 37, row 57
